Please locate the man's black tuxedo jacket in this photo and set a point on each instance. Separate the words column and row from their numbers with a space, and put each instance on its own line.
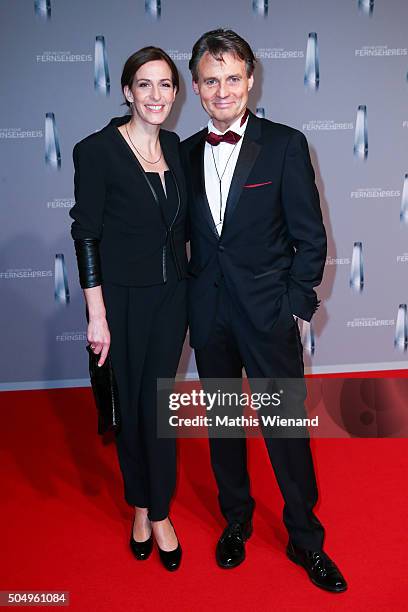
column 273, row 240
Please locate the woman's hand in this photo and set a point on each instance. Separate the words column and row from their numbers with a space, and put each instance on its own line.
column 98, row 333
column 99, row 337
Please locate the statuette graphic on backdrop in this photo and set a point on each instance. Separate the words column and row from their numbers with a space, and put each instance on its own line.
column 356, row 270
column 401, row 329
column 52, row 148
column 312, row 74
column 308, row 338
column 260, row 112
column 101, row 69
column 42, row 9
column 404, row 202
column 361, row 134
column 61, row 290
column 260, row 7
column 153, row 8
column 366, row 6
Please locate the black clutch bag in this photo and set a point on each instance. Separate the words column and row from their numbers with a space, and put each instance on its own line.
column 105, row 392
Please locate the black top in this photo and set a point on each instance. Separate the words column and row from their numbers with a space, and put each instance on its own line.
column 115, row 205
column 168, row 200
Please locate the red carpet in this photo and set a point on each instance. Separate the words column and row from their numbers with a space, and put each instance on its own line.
column 65, row 526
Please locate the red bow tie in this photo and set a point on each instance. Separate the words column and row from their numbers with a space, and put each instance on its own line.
column 230, row 137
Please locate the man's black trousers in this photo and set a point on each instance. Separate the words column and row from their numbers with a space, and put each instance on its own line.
column 231, row 346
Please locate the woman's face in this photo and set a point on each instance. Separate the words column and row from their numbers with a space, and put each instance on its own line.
column 152, row 92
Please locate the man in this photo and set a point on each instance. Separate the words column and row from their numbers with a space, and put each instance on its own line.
column 258, row 248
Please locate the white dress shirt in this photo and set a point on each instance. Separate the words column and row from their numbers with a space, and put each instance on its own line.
column 225, row 156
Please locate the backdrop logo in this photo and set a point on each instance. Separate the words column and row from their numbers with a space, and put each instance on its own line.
column 404, row 202
column 375, row 192
column 61, row 291
column 16, row 133
column 61, row 203
column 312, row 77
column 337, row 261
column 403, row 258
column 260, row 7
column 366, row 6
column 177, row 55
column 326, row 125
column 269, row 53
column 101, row 70
column 52, row 148
column 356, row 268
column 308, row 338
column 63, row 56
column 380, row 51
column 21, row 273
column 370, row 322
column 71, row 336
column 361, row 134
column 260, row 112
column 42, row 8
column 153, row 8
column 401, row 329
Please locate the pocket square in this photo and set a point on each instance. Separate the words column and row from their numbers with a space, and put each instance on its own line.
column 253, row 185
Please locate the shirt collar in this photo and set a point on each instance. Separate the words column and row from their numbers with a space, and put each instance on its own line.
column 235, row 127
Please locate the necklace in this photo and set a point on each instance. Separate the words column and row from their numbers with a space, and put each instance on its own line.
column 221, row 177
column 139, row 153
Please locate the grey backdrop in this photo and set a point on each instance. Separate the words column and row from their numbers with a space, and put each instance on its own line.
column 48, row 66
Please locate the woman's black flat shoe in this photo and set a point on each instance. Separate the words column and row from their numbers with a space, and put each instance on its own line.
column 141, row 550
column 170, row 559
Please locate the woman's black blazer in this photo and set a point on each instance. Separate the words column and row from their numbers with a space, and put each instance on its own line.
column 115, row 205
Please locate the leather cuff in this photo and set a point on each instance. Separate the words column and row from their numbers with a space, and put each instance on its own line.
column 89, row 265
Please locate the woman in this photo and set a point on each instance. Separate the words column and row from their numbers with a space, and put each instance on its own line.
column 129, row 233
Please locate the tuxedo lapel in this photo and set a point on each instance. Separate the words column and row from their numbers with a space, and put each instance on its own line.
column 247, row 157
column 198, row 182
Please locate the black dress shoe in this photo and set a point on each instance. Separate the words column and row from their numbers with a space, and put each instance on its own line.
column 322, row 571
column 171, row 559
column 141, row 550
column 230, row 550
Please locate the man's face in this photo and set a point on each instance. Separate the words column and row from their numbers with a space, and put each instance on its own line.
column 223, row 87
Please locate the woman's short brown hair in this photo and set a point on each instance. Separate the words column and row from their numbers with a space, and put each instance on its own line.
column 218, row 42
column 141, row 57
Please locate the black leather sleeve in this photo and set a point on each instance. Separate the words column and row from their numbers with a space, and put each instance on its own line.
column 89, row 266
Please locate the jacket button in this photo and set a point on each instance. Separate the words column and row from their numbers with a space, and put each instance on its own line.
column 221, row 248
